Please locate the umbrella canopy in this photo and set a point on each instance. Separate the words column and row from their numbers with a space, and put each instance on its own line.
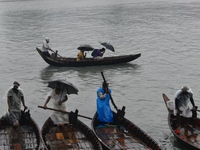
column 85, row 47
column 108, row 46
column 71, row 89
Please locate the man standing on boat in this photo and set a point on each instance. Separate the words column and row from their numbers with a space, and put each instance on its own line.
column 15, row 97
column 46, row 47
column 182, row 99
column 105, row 114
column 59, row 97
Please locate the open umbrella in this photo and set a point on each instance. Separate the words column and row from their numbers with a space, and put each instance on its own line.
column 85, row 47
column 108, row 46
column 71, row 89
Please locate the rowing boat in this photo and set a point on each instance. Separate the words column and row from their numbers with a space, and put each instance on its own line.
column 72, row 62
column 26, row 136
column 122, row 134
column 75, row 135
column 187, row 135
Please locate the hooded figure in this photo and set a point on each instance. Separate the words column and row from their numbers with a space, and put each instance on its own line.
column 104, row 111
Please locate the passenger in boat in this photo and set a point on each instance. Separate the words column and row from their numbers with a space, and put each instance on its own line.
column 15, row 97
column 98, row 53
column 46, row 47
column 81, row 55
column 59, row 96
column 105, row 114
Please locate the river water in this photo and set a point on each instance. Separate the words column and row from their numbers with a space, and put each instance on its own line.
column 165, row 32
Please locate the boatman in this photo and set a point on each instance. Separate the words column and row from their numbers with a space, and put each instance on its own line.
column 182, row 99
column 46, row 47
column 15, row 98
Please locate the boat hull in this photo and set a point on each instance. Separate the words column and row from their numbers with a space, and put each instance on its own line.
column 123, row 134
column 68, row 136
column 72, row 62
column 184, row 135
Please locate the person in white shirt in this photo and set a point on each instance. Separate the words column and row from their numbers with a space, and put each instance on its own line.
column 15, row 98
column 58, row 96
column 46, row 47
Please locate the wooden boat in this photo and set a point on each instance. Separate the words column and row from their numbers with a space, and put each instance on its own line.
column 122, row 134
column 71, row 62
column 74, row 136
column 188, row 136
column 26, row 136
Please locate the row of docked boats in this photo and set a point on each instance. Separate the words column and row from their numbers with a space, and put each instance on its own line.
column 122, row 134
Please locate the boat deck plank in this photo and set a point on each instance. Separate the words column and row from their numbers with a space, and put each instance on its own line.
column 117, row 139
column 64, row 137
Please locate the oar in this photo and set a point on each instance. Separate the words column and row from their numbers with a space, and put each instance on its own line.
column 62, row 111
column 55, row 52
column 109, row 93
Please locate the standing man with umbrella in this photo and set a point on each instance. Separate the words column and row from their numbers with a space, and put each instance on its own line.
column 60, row 89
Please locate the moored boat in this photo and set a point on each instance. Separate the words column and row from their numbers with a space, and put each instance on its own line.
column 26, row 136
column 122, row 134
column 75, row 135
column 72, row 62
column 187, row 135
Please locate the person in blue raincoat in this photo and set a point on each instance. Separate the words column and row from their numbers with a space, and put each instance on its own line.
column 105, row 114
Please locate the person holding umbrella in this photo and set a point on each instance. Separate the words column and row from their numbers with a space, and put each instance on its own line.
column 81, row 55
column 82, row 48
column 98, row 53
column 58, row 94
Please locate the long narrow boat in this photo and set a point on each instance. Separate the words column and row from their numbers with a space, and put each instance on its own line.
column 122, row 134
column 188, row 136
column 71, row 62
column 73, row 136
column 26, row 136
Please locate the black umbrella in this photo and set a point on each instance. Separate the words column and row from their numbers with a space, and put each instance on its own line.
column 71, row 89
column 108, row 46
column 85, row 47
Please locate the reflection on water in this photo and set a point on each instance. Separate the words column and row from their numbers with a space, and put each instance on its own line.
column 48, row 72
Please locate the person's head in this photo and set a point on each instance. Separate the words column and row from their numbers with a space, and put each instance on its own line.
column 58, row 87
column 185, row 89
column 16, row 85
column 103, row 49
column 105, row 84
column 47, row 39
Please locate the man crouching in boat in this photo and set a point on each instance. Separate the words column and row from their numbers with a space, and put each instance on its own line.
column 182, row 99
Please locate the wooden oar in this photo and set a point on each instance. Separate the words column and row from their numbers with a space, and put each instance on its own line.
column 56, row 53
column 62, row 111
column 109, row 93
